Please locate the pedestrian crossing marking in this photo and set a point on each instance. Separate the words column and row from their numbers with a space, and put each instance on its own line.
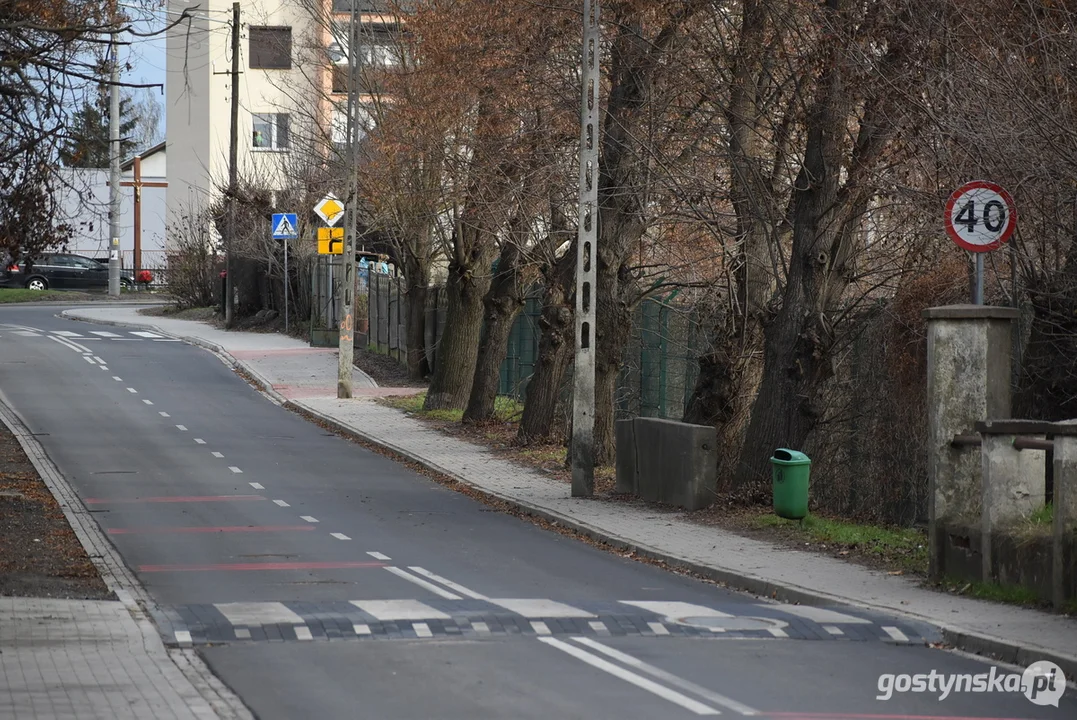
column 253, row 614
column 534, row 608
column 66, row 333
column 104, row 333
column 145, row 334
column 676, row 609
column 819, row 614
column 389, row 610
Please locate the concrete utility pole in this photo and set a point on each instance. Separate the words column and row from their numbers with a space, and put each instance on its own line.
column 583, row 373
column 115, row 151
column 346, row 331
column 233, row 175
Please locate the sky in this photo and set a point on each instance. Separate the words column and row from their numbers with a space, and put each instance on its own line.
column 147, row 55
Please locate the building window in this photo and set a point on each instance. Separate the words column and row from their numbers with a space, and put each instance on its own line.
column 378, row 46
column 271, row 48
column 270, row 131
column 340, row 78
column 340, row 126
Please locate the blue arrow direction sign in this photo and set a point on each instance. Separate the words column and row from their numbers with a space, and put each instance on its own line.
column 284, row 226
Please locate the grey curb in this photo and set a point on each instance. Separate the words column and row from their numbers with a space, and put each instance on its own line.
column 960, row 638
column 119, row 579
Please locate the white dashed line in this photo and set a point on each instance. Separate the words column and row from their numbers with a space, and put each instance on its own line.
column 182, row 428
column 340, row 536
column 103, row 367
column 422, row 630
column 308, row 518
column 257, row 486
column 540, row 627
column 183, row 637
column 302, row 632
column 217, row 454
column 282, row 503
column 895, row 634
column 234, row 469
column 88, row 359
column 379, row 556
column 132, row 391
column 117, row 378
column 200, row 441
column 164, row 414
column 98, row 360
column 361, row 629
column 448, row 583
column 148, row 402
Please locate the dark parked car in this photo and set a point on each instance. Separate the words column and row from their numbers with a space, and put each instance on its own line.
column 60, row 271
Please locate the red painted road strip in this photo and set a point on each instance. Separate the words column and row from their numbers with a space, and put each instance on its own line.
column 173, row 499
column 223, row 529
column 261, row 566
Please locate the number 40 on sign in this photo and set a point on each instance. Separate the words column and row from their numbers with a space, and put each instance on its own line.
column 980, row 216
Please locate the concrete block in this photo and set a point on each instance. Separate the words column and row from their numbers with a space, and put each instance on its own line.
column 1013, row 487
column 1065, row 517
column 676, row 462
column 625, row 436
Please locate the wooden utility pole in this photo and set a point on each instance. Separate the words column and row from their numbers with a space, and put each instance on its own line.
column 137, row 184
column 233, row 175
column 583, row 373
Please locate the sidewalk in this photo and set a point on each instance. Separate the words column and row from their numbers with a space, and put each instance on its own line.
column 1011, row 634
column 103, row 659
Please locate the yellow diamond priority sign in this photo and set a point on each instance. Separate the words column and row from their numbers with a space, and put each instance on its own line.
column 330, row 209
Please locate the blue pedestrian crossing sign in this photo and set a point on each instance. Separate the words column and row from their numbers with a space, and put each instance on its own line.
column 284, row 226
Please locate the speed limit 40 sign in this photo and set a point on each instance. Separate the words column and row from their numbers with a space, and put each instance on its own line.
column 980, row 216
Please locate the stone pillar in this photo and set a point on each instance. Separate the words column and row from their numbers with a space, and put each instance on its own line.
column 968, row 380
column 1013, row 487
column 1065, row 509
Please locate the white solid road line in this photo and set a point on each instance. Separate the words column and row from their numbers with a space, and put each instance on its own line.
column 447, row 583
column 257, row 486
column 66, row 343
column 895, row 634
column 308, row 518
column 164, row 414
column 378, row 556
column 422, row 583
column 686, row 685
column 628, row 676
column 217, row 454
column 282, row 503
column 98, row 360
column 340, row 536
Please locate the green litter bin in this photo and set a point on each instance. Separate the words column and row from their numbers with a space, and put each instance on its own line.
column 790, row 470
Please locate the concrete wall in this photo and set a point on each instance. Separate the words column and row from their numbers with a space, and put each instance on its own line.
column 667, row 461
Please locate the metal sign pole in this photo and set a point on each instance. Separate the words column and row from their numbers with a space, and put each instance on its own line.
column 978, row 288
column 285, row 286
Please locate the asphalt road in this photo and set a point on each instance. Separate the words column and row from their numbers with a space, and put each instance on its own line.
column 320, row 580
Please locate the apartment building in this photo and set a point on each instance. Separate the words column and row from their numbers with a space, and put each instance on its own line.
column 292, row 91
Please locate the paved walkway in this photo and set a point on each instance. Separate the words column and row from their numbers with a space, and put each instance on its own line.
column 1014, row 634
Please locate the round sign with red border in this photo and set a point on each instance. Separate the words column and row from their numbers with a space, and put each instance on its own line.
column 980, row 216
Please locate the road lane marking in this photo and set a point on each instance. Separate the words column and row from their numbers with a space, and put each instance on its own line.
column 103, row 367
column 819, row 614
column 144, row 334
column 599, row 627
column 132, row 391
column 308, row 518
column 25, row 333
column 302, row 632
column 540, row 628
column 235, row 469
column 533, row 608
column 361, row 629
column 480, row 627
column 202, row 529
column 66, row 333
column 833, row 629
column 658, row 628
column 630, row 677
column 104, row 333
column 281, row 503
column 117, row 378
column 98, row 360
column 164, row 414
column 675, row 609
column 173, row 499
column 148, row 402
column 235, row 567
column 392, row 610
column 422, row 583
column 166, row 340
column 66, row 343
column 181, row 428
column 340, row 536
column 242, row 633
column 217, row 454
column 447, row 583
column 253, row 614
column 687, row 685
column 422, row 630
column 895, row 634
column 200, row 441
column 257, row 486
column 88, row 359
column 378, row 556
column 777, row 632
column 183, row 637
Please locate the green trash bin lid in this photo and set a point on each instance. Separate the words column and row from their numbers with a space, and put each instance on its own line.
column 784, row 456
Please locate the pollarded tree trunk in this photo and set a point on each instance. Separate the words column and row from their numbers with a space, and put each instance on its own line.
column 555, row 353
column 613, row 320
column 458, row 350
column 417, row 275
column 502, row 304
